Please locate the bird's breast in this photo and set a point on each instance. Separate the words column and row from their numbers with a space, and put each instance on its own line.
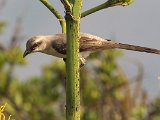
column 53, row 52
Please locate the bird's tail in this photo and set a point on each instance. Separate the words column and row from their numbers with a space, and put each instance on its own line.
column 133, row 47
column 136, row 48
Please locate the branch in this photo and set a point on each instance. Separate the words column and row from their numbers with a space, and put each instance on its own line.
column 17, row 31
column 67, row 5
column 13, row 43
column 109, row 3
column 56, row 13
column 52, row 9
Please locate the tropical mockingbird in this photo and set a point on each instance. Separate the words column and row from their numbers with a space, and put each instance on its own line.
column 55, row 45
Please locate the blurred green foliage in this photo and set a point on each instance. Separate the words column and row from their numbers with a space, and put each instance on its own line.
column 106, row 92
column 2, row 26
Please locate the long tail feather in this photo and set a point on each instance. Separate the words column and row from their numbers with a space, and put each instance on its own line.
column 137, row 48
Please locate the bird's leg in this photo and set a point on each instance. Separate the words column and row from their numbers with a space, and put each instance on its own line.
column 82, row 61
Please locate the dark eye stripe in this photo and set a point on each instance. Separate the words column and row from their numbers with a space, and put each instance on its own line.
column 38, row 43
column 34, row 45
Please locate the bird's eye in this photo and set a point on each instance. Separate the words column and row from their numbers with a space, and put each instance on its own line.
column 34, row 46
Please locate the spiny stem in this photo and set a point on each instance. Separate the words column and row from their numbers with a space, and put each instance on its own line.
column 72, row 65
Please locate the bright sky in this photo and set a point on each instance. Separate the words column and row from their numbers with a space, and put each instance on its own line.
column 137, row 24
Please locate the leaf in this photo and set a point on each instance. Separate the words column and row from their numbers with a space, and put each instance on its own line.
column 15, row 56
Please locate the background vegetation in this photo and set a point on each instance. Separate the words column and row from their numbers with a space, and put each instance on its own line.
column 106, row 92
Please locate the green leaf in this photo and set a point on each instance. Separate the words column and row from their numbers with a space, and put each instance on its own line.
column 15, row 55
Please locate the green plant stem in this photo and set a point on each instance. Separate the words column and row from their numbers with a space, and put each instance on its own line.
column 67, row 5
column 56, row 13
column 72, row 65
column 109, row 3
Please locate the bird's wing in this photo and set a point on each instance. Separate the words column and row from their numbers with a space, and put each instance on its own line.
column 60, row 46
column 88, row 42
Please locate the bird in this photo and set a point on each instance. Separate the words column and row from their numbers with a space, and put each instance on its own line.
column 56, row 45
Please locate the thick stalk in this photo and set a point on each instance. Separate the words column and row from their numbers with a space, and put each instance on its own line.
column 72, row 84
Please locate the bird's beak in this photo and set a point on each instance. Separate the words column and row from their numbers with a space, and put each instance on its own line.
column 26, row 53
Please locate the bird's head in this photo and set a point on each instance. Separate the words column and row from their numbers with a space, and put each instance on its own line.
column 35, row 44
